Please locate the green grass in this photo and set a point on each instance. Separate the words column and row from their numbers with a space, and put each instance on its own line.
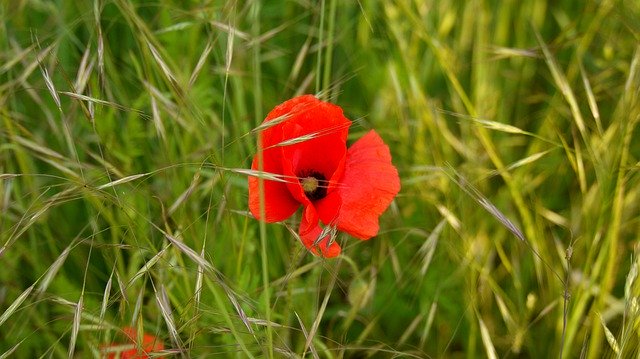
column 125, row 127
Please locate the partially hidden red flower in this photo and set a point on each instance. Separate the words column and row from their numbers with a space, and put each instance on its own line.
column 304, row 147
column 131, row 349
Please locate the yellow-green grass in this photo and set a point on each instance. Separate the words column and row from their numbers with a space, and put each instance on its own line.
column 127, row 128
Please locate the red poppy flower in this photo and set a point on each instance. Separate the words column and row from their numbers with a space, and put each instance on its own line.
column 304, row 145
column 131, row 349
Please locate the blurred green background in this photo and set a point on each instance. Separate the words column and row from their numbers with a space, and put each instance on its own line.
column 125, row 126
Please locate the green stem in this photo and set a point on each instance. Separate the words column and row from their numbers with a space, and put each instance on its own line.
column 326, row 80
column 319, row 59
column 257, row 93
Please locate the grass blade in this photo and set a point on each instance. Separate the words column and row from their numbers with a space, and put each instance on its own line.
column 16, row 303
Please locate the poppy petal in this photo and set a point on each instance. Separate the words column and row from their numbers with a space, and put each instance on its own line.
column 329, row 207
column 369, row 184
column 150, row 345
column 278, row 202
column 312, row 115
column 322, row 156
column 309, row 232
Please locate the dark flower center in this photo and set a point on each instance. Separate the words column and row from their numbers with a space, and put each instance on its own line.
column 314, row 185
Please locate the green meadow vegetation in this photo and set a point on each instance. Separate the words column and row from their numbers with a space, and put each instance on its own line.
column 127, row 128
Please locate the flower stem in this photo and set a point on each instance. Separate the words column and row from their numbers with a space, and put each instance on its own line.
column 319, row 59
column 257, row 93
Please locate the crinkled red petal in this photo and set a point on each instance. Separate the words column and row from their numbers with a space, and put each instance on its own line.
column 310, row 231
column 369, row 184
column 313, row 115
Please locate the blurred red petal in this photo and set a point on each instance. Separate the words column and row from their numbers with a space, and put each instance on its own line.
column 369, row 184
column 309, row 232
column 150, row 344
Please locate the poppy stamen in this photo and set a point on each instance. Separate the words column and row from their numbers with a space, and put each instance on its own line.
column 314, row 185
column 309, row 184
